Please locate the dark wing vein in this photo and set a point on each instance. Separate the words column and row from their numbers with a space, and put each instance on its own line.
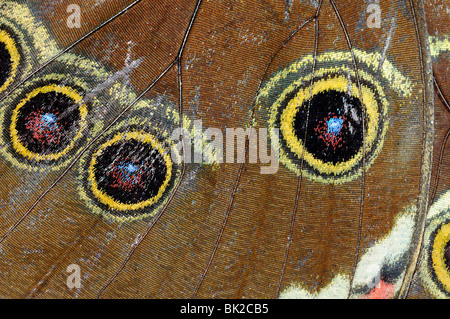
column 441, row 95
column 426, row 158
column 444, row 142
column 177, row 61
column 358, row 83
column 299, row 185
column 50, row 61
column 293, row 33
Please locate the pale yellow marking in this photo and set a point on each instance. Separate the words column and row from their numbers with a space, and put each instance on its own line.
column 439, row 45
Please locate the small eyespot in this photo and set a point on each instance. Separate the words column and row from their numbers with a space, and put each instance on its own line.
column 129, row 173
column 48, row 119
column 47, row 122
column 435, row 267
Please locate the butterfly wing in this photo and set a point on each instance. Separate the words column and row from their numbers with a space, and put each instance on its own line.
column 352, row 105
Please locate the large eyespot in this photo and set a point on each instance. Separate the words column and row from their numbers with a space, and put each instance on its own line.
column 332, row 123
column 129, row 173
column 9, row 59
column 47, row 122
column 435, row 267
column 327, row 129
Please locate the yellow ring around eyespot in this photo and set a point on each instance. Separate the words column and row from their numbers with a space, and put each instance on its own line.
column 440, row 267
column 108, row 200
column 338, row 84
column 11, row 47
column 69, row 92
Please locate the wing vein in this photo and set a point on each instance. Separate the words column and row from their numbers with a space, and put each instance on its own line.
column 222, row 229
column 69, row 167
column 441, row 94
column 299, row 184
column 438, row 173
column 444, row 142
column 51, row 60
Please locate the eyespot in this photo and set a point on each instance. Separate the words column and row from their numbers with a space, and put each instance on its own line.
column 440, row 255
column 47, row 122
column 435, row 267
column 129, row 173
column 9, row 59
column 335, row 121
column 328, row 127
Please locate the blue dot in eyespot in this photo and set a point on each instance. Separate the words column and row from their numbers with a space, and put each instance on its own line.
column 128, row 169
column 131, row 168
column 49, row 120
column 334, row 125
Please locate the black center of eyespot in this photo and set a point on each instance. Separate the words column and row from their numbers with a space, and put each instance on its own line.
column 130, row 171
column 447, row 255
column 48, row 122
column 5, row 64
column 334, row 132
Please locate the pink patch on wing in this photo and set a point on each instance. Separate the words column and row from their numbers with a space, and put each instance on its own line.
column 383, row 290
